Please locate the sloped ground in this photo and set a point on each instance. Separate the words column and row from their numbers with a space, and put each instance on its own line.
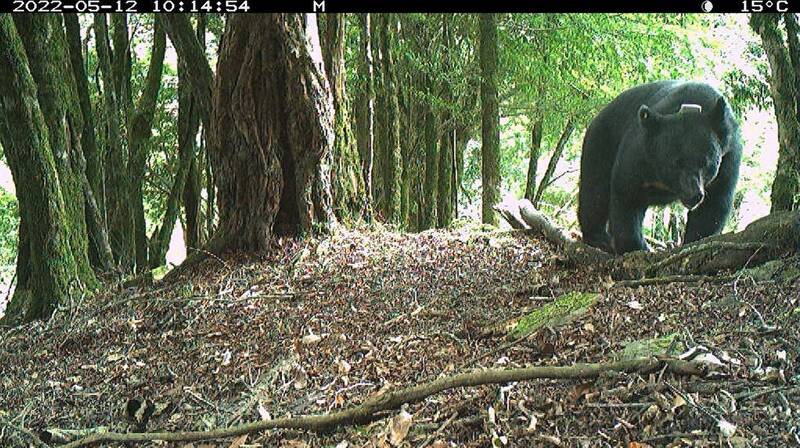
column 319, row 326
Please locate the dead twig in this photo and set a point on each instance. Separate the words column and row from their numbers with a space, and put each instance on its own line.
column 25, row 431
column 430, row 438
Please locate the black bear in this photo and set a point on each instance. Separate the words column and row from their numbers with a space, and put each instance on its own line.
column 652, row 145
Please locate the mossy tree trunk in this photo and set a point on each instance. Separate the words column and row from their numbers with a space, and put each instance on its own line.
column 88, row 139
column 444, row 200
column 431, row 142
column 490, row 111
column 407, row 155
column 139, row 132
column 783, row 89
column 89, row 160
column 365, row 112
column 40, row 134
column 120, row 219
column 272, row 125
column 187, row 136
column 390, row 160
column 347, row 182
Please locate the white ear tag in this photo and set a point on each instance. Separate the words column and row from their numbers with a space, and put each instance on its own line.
column 691, row 108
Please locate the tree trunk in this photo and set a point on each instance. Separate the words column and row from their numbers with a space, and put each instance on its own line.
column 462, row 137
column 347, row 182
column 444, row 205
column 490, row 128
column 536, row 147
column 89, row 162
column 88, row 138
column 211, row 199
column 366, row 113
column 390, row 142
column 188, row 48
column 551, row 165
column 272, row 124
column 428, row 218
column 408, row 122
column 140, row 130
column 188, row 124
column 786, row 185
column 120, row 219
column 52, row 254
column 159, row 241
column 121, row 63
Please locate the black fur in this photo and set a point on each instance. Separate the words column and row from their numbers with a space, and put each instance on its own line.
column 639, row 151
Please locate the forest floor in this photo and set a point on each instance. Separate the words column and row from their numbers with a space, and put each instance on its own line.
column 318, row 326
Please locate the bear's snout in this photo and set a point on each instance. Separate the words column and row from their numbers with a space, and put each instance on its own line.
column 694, row 201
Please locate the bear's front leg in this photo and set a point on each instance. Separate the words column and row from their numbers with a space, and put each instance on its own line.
column 626, row 225
column 710, row 217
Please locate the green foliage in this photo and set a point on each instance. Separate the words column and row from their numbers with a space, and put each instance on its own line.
column 9, row 223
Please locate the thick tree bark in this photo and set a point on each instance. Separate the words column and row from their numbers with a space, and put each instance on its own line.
column 139, row 132
column 53, row 256
column 120, row 219
column 347, row 182
column 533, row 161
column 786, row 185
column 188, row 47
column 366, row 113
column 490, row 146
column 48, row 60
column 554, row 158
column 273, row 124
column 391, row 169
column 89, row 161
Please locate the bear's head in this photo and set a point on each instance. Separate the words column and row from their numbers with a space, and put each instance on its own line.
column 686, row 147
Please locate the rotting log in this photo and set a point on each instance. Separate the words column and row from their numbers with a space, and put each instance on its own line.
column 774, row 236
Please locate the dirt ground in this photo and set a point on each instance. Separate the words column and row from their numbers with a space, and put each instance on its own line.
column 318, row 326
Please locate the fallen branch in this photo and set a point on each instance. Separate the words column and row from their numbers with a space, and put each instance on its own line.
column 393, row 399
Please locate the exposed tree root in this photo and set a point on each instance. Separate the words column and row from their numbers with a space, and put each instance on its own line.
column 773, row 236
column 393, row 399
column 675, row 279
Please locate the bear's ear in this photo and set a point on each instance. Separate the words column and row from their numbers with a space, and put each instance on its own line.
column 719, row 118
column 647, row 117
